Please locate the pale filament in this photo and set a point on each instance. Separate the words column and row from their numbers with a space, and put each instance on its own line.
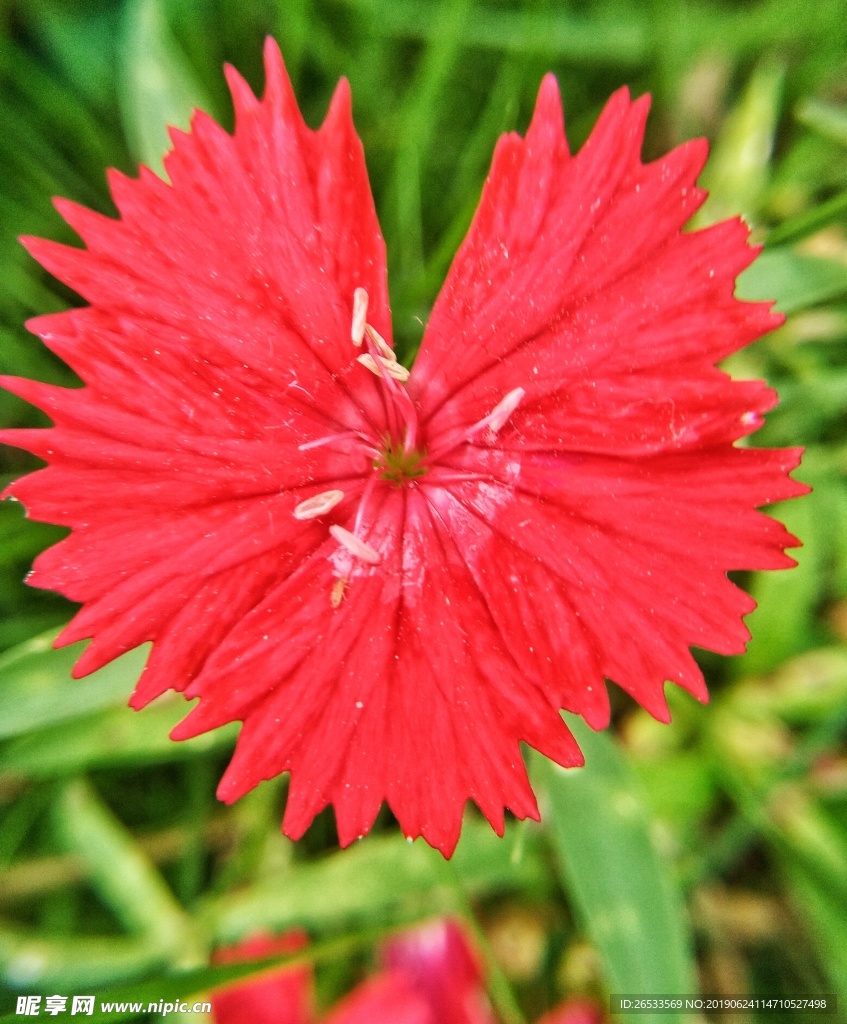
column 344, row 435
column 318, row 504
column 367, row 491
column 501, row 412
column 494, row 421
column 385, row 355
column 382, row 361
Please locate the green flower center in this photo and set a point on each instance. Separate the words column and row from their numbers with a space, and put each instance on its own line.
column 396, row 465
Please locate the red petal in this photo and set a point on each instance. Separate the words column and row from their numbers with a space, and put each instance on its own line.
column 439, row 962
column 385, row 999
column 279, row 996
column 355, row 700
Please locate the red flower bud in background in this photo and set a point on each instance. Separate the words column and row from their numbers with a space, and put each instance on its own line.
column 279, row 996
column 430, row 976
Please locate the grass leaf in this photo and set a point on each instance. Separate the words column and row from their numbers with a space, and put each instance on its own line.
column 158, row 88
column 609, row 864
column 36, row 688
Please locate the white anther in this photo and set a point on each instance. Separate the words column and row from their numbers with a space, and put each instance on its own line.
column 368, row 360
column 360, row 313
column 354, row 544
column 392, row 367
column 384, row 348
column 502, row 411
column 318, row 504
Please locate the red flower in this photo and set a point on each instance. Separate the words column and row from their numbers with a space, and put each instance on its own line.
column 575, row 1010
column 441, row 967
column 393, row 584
column 431, row 976
column 279, row 996
column 384, row 999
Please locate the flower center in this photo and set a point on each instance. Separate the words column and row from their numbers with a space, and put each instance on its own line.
column 398, row 464
column 398, row 459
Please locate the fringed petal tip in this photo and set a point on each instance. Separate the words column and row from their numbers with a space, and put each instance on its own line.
column 279, row 92
column 244, row 100
column 339, row 116
column 548, row 104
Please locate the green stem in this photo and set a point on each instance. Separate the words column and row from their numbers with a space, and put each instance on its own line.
column 805, row 224
column 123, row 876
column 499, row 990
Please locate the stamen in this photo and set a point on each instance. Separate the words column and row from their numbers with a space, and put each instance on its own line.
column 384, row 348
column 394, row 369
column 381, row 360
column 369, row 361
column 318, row 505
column 363, row 503
column 494, row 421
column 360, row 313
column 355, row 545
column 501, row 412
column 344, row 435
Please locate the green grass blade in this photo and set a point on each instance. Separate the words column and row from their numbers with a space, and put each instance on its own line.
column 384, row 878
column 619, row 39
column 828, row 926
column 795, row 281
column 740, row 162
column 807, row 223
column 609, row 864
column 158, row 87
column 828, row 119
column 116, row 737
column 123, row 875
column 30, row 962
column 199, row 981
column 36, row 688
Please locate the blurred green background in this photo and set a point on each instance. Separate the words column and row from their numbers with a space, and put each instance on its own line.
column 711, row 853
